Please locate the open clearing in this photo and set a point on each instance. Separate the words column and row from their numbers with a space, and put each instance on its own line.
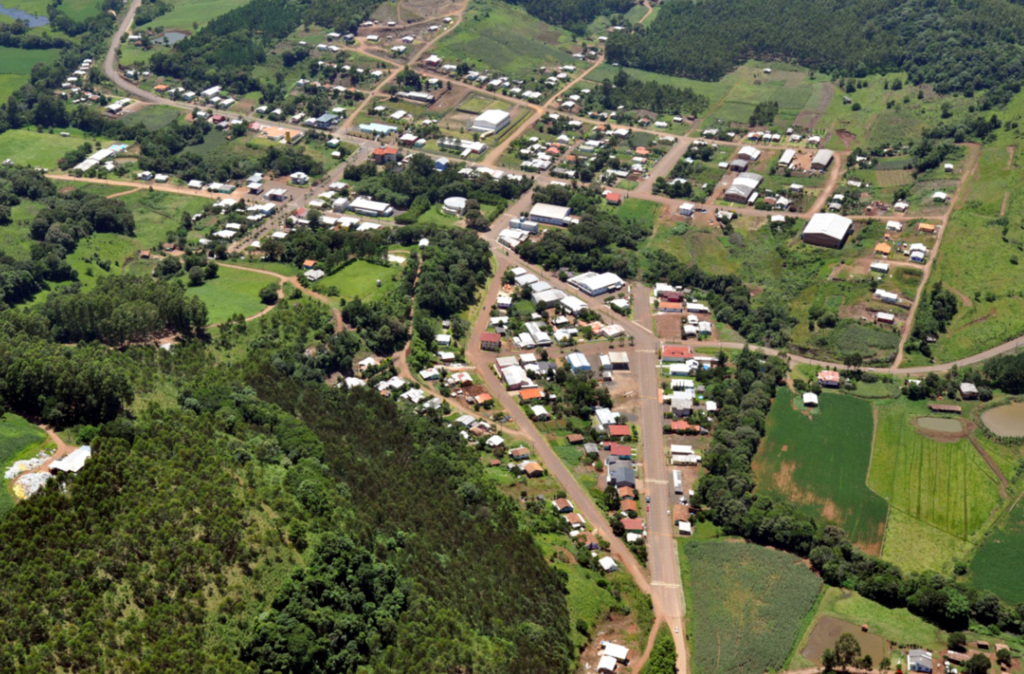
column 192, row 14
column 19, row 440
column 359, row 279
column 940, row 480
column 996, row 566
column 20, row 61
column 749, row 604
column 42, row 150
column 820, row 464
column 233, row 292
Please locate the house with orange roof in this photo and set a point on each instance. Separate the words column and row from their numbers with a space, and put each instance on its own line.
column 829, row 378
column 531, row 394
column 883, row 249
column 613, row 198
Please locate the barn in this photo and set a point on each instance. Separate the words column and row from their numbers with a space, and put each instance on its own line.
column 827, row 229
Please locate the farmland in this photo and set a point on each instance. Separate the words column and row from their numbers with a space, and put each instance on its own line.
column 19, row 439
column 749, row 604
column 37, row 149
column 820, row 464
column 996, row 566
column 233, row 292
column 938, row 478
column 506, row 39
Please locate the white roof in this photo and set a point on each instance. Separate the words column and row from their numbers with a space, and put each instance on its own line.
column 594, row 283
column 550, row 211
column 607, row 563
column 578, row 361
column 810, row 398
column 492, row 117
column 73, row 462
column 822, row 157
column 616, row 651
column 831, row 225
column 573, row 304
column 606, row 663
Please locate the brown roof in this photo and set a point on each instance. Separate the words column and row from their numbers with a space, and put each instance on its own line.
column 490, row 337
column 953, row 656
column 627, row 492
column 531, row 394
column 680, row 513
column 952, row 409
column 562, row 503
column 574, row 518
column 674, row 351
column 633, row 523
column 619, row 430
column 574, row 438
column 533, row 467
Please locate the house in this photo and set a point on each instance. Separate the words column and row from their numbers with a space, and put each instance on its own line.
column 686, row 209
column 607, row 565
column 615, row 651
column 940, row 197
column 821, row 159
column 591, row 449
column 539, row 413
column 926, row 228
column 880, row 267
column 613, row 198
column 490, row 341
column 619, row 431
column 810, row 399
column 894, row 226
column 575, row 520
column 533, row 469
column 883, row 249
column 326, row 121
column 384, row 155
column 829, row 378
column 531, row 394
column 680, row 513
column 620, row 474
column 919, row 660
column 672, row 353
column 550, row 214
column 748, row 153
column 632, row 524
column 886, row 296
column 578, row 362
column 562, row 505
column 968, row 391
column 787, row 158
column 575, row 438
column 885, row 317
column 309, row 264
column 827, row 229
column 626, row 493
column 491, row 121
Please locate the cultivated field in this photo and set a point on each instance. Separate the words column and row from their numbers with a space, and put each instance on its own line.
column 749, row 604
column 934, row 476
column 996, row 565
column 820, row 464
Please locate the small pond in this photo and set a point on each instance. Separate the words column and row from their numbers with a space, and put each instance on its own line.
column 172, row 37
column 1006, row 420
column 32, row 20
column 940, row 424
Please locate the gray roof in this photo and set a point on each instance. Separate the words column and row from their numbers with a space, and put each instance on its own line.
column 621, row 473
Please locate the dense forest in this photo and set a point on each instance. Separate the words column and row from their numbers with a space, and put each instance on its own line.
column 573, row 15
column 955, row 46
column 202, row 532
column 631, row 92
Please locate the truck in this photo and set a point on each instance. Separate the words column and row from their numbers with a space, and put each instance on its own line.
column 677, row 481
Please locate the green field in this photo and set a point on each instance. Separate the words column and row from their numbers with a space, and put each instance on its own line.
column 820, row 464
column 748, row 605
column 359, row 279
column 190, row 15
column 996, row 566
column 19, row 440
column 944, row 484
column 80, row 10
column 233, row 292
column 916, row 546
column 20, row 61
column 789, row 86
column 154, row 117
column 37, row 149
column 506, row 39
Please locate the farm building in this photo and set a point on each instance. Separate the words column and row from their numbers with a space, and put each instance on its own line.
column 749, row 153
column 686, row 209
column 550, row 214
column 810, row 399
column 885, row 317
column 821, row 160
column 827, row 229
column 491, row 121
column 880, row 267
column 886, row 296
column 787, row 157
column 744, row 188
column 968, row 391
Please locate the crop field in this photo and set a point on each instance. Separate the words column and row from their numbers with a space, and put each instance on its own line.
column 233, row 292
column 359, row 279
column 791, row 88
column 19, row 440
column 820, row 464
column 749, row 604
column 715, row 91
column 506, row 39
column 939, row 479
column 914, row 545
column 996, row 566
column 894, row 178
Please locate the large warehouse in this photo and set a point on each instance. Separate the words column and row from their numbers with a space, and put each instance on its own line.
column 744, row 188
column 593, row 283
column 827, row 229
column 550, row 214
column 822, row 159
column 491, row 121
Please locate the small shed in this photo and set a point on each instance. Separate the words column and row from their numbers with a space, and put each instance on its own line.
column 810, row 399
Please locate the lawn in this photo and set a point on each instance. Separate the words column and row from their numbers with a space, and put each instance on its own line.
column 19, row 440
column 748, row 605
column 359, row 279
column 820, row 464
column 505, row 39
column 233, row 292
column 996, row 566
column 944, row 484
column 23, row 146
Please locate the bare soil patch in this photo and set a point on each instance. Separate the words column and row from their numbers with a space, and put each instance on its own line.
column 829, row 629
column 669, row 326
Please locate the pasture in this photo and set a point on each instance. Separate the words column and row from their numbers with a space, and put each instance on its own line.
column 914, row 545
column 996, row 566
column 20, row 61
column 359, row 279
column 191, row 15
column 80, row 10
column 19, row 440
column 233, row 292
column 820, row 464
column 749, row 605
column 940, row 480
column 43, row 150
column 791, row 87
column 505, row 39
column 154, row 117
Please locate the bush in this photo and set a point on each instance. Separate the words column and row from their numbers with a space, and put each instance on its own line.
column 268, row 294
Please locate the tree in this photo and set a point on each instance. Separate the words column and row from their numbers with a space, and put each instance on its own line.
column 611, row 498
column 196, row 276
column 268, row 294
column 957, row 641
column 847, row 650
column 978, row 664
column 1004, row 657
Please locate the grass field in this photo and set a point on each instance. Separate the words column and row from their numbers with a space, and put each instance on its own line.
column 789, row 86
column 192, row 14
column 233, row 292
column 914, row 545
column 20, row 61
column 506, row 39
column 749, row 604
column 820, row 464
column 897, row 625
column 19, row 440
column 996, row 566
column 80, row 10
column 359, row 279
column 154, row 117
column 943, row 484
column 37, row 149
